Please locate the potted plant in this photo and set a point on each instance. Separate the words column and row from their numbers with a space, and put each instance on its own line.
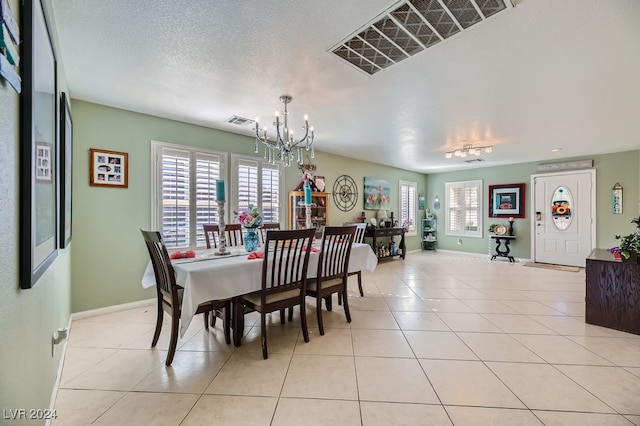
column 630, row 244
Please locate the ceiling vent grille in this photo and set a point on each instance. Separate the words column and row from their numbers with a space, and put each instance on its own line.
column 411, row 27
column 474, row 160
column 240, row 121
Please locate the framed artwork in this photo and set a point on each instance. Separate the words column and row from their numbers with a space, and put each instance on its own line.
column 376, row 194
column 38, row 159
column 320, row 183
column 108, row 168
column 66, row 158
column 507, row 200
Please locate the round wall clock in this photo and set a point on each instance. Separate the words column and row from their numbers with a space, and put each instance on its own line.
column 345, row 193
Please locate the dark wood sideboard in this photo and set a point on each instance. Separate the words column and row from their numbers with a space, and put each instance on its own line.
column 384, row 249
column 612, row 292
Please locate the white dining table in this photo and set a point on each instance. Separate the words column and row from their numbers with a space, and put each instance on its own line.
column 208, row 277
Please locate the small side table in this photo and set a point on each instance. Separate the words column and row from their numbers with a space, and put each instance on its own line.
column 503, row 241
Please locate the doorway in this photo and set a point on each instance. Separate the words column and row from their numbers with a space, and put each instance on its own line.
column 563, row 217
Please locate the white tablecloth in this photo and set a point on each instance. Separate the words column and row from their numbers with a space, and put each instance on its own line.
column 228, row 276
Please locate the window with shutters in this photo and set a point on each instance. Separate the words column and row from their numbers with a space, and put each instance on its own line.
column 257, row 182
column 408, row 196
column 184, row 192
column 463, row 208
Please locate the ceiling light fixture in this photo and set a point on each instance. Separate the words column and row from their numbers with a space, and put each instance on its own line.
column 468, row 149
column 284, row 147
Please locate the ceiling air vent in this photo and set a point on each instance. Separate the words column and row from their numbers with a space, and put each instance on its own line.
column 240, row 121
column 474, row 160
column 411, row 27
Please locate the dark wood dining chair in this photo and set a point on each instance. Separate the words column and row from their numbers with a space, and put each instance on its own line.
column 232, row 231
column 266, row 227
column 284, row 273
column 333, row 266
column 170, row 295
column 358, row 238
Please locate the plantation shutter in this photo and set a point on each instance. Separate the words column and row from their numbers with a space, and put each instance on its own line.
column 208, row 171
column 463, row 206
column 408, row 205
column 270, row 193
column 175, row 197
column 247, row 175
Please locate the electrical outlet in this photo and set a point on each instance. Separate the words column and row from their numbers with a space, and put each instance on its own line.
column 459, row 241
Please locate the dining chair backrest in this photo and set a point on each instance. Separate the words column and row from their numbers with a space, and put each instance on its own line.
column 162, row 269
column 335, row 251
column 286, row 260
column 266, row 227
column 232, row 231
column 360, row 231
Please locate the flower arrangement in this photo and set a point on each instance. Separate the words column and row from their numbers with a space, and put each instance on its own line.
column 629, row 243
column 251, row 218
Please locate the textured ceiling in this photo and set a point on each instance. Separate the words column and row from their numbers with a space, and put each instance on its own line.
column 540, row 75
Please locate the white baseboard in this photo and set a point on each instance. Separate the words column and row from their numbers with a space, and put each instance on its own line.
column 110, row 309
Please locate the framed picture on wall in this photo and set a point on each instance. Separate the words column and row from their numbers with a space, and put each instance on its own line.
column 39, row 136
column 108, row 168
column 507, row 200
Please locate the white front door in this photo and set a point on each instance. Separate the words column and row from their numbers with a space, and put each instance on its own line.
column 564, row 217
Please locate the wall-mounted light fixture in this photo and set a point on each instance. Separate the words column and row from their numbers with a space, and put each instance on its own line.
column 468, row 149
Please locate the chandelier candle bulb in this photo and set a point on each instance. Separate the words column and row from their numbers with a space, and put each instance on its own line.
column 220, row 190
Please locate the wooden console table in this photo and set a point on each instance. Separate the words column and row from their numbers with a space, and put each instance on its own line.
column 503, row 240
column 375, row 233
column 612, row 292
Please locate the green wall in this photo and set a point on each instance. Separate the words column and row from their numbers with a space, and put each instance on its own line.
column 622, row 167
column 28, row 318
column 109, row 256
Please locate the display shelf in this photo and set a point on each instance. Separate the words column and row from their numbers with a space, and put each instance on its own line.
column 319, row 210
column 429, row 234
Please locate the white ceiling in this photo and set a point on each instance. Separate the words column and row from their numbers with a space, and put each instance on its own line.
column 540, row 75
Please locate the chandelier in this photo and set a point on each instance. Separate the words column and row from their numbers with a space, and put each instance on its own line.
column 284, row 147
column 468, row 149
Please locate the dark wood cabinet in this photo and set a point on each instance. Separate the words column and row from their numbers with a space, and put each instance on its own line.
column 386, row 242
column 612, row 292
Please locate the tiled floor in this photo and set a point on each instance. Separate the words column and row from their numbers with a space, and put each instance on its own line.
column 438, row 339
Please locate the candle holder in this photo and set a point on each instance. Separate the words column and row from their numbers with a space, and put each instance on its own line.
column 511, row 228
column 307, row 214
column 222, row 247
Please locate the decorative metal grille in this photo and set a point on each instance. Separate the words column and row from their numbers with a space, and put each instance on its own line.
column 410, row 28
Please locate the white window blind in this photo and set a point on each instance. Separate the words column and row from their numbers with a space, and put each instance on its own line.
column 257, row 182
column 184, row 192
column 463, row 206
column 408, row 196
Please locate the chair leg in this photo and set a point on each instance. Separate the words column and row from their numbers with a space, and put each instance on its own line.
column 346, row 304
column 339, row 298
column 282, row 316
column 303, row 319
column 174, row 340
column 328, row 302
column 206, row 320
column 238, row 322
column 263, row 335
column 227, row 321
column 290, row 313
column 360, row 283
column 159, row 320
column 213, row 318
column 319, row 314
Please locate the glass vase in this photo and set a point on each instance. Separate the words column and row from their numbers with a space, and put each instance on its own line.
column 251, row 239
